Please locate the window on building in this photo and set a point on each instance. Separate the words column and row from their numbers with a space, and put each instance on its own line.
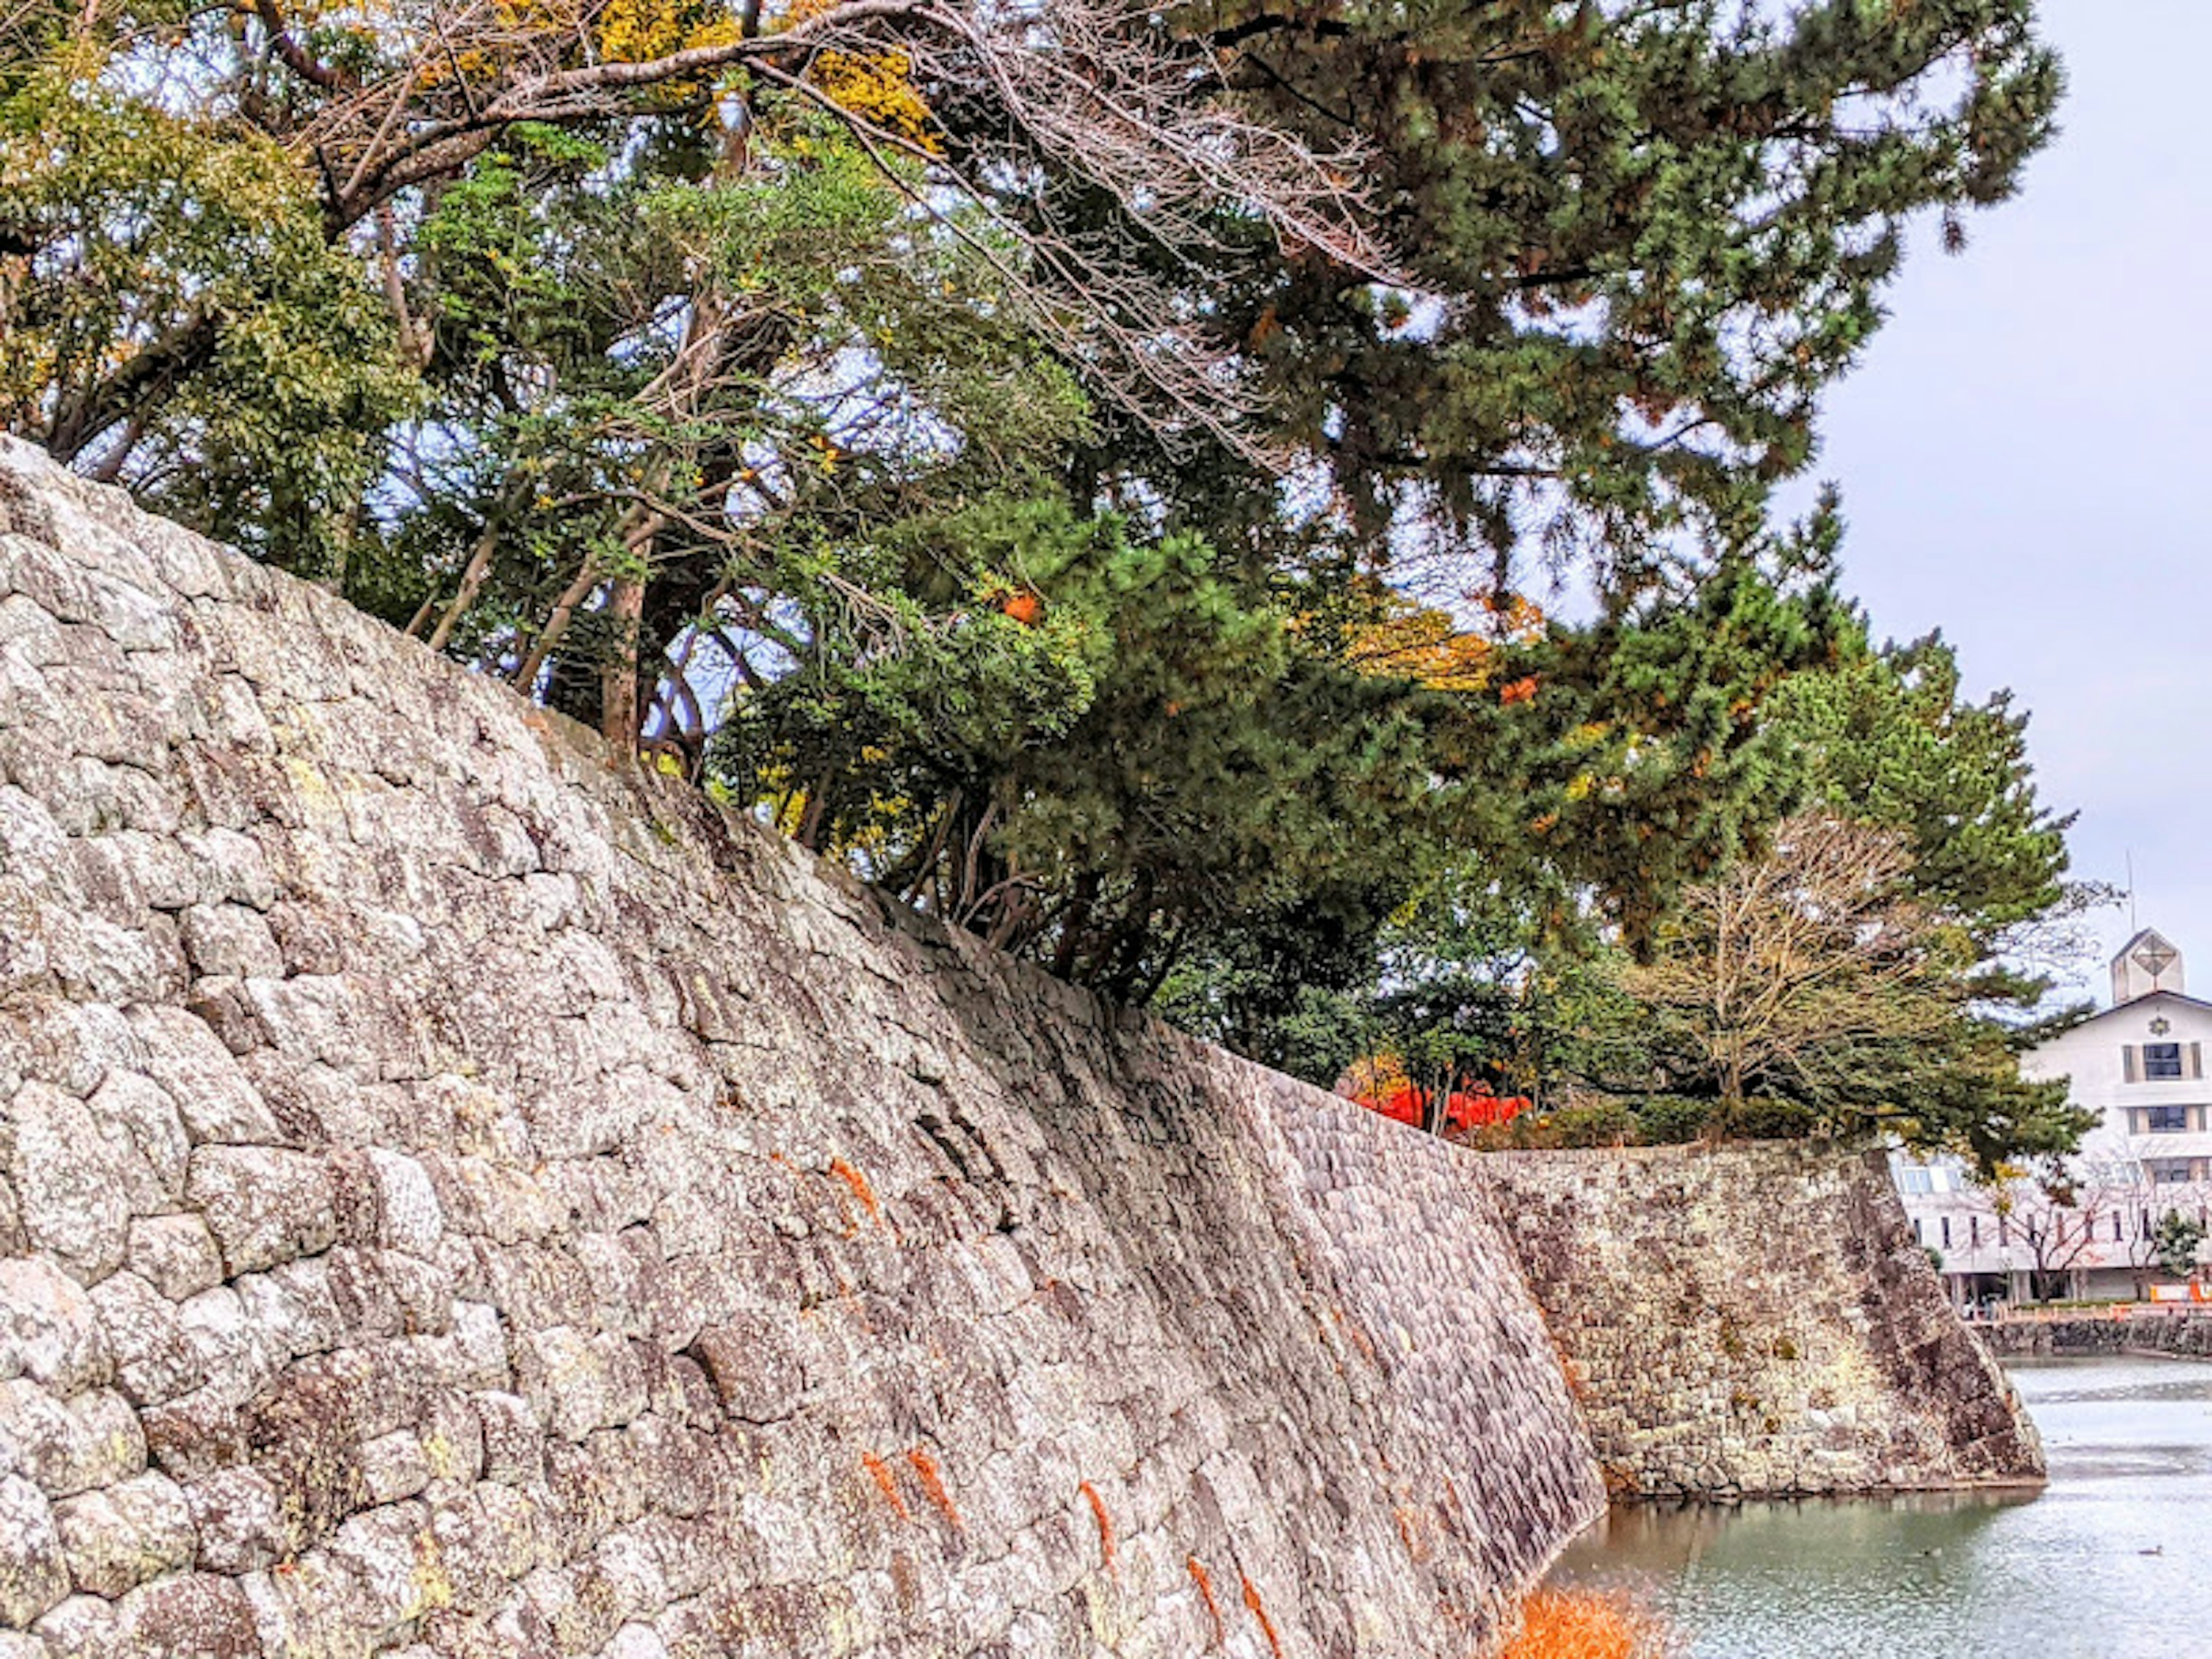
column 1916, row 1179
column 1919, row 1230
column 2004, row 1232
column 1947, row 1232
column 2161, row 1060
column 1974, row 1230
column 2116, row 1226
column 2169, row 1172
column 2166, row 1120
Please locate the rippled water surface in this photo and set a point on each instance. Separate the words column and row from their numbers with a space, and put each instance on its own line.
column 2112, row 1561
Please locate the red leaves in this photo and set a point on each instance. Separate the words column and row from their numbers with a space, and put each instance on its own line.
column 1463, row 1109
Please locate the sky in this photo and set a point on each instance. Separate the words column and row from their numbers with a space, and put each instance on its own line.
column 2025, row 456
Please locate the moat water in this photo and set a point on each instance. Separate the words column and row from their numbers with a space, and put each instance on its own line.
column 2112, row 1560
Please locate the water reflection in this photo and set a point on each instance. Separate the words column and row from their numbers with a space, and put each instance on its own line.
column 2112, row 1561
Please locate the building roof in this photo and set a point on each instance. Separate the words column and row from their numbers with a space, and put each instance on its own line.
column 2135, row 1004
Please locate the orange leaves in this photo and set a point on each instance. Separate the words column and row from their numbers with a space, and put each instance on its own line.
column 1260, row 1612
column 925, row 1471
column 1380, row 1083
column 1520, row 690
column 1582, row 1624
column 1198, row 1577
column 1023, row 608
column 862, row 1192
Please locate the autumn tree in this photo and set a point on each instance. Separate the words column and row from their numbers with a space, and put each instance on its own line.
column 1814, row 973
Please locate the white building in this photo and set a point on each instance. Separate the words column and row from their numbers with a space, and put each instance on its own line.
column 2140, row 1066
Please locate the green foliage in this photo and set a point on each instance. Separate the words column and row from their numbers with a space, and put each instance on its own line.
column 1194, row 772
column 1637, row 759
column 836, row 377
column 1886, row 737
column 172, row 314
column 1659, row 231
column 2175, row 1243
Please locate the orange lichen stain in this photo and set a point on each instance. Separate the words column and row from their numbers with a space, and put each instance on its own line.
column 1260, row 1612
column 924, row 1466
column 886, row 1483
column 1409, row 1531
column 1205, row 1594
column 858, row 1182
column 1580, row 1625
column 1105, row 1523
column 849, row 1298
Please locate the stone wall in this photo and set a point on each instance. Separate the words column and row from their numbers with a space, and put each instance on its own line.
column 2184, row 1334
column 1756, row 1320
column 459, row 1198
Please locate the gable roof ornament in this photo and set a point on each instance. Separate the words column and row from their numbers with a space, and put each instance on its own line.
column 2148, row 962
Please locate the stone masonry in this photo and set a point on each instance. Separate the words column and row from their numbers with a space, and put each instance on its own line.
column 2177, row 1335
column 1756, row 1320
column 460, row 1197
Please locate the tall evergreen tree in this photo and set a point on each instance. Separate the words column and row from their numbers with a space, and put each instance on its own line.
column 1638, row 242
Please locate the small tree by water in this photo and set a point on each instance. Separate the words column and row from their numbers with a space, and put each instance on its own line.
column 2175, row 1242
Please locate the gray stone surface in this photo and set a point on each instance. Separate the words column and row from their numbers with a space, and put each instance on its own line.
column 458, row 1198
column 1756, row 1320
column 2183, row 1333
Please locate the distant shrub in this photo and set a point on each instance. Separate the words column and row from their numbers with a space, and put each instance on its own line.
column 1670, row 1120
column 1772, row 1120
column 1649, row 1120
column 1601, row 1123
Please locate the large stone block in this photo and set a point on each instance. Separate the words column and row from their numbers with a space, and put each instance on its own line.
column 265, row 1205
column 117, row 1539
column 50, row 1329
column 34, row 1572
column 69, row 1181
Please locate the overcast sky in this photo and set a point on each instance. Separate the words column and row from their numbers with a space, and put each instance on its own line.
column 2024, row 456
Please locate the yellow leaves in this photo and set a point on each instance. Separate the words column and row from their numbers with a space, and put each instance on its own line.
column 879, row 88
column 1420, row 643
column 640, row 31
column 876, row 88
column 1376, row 1077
